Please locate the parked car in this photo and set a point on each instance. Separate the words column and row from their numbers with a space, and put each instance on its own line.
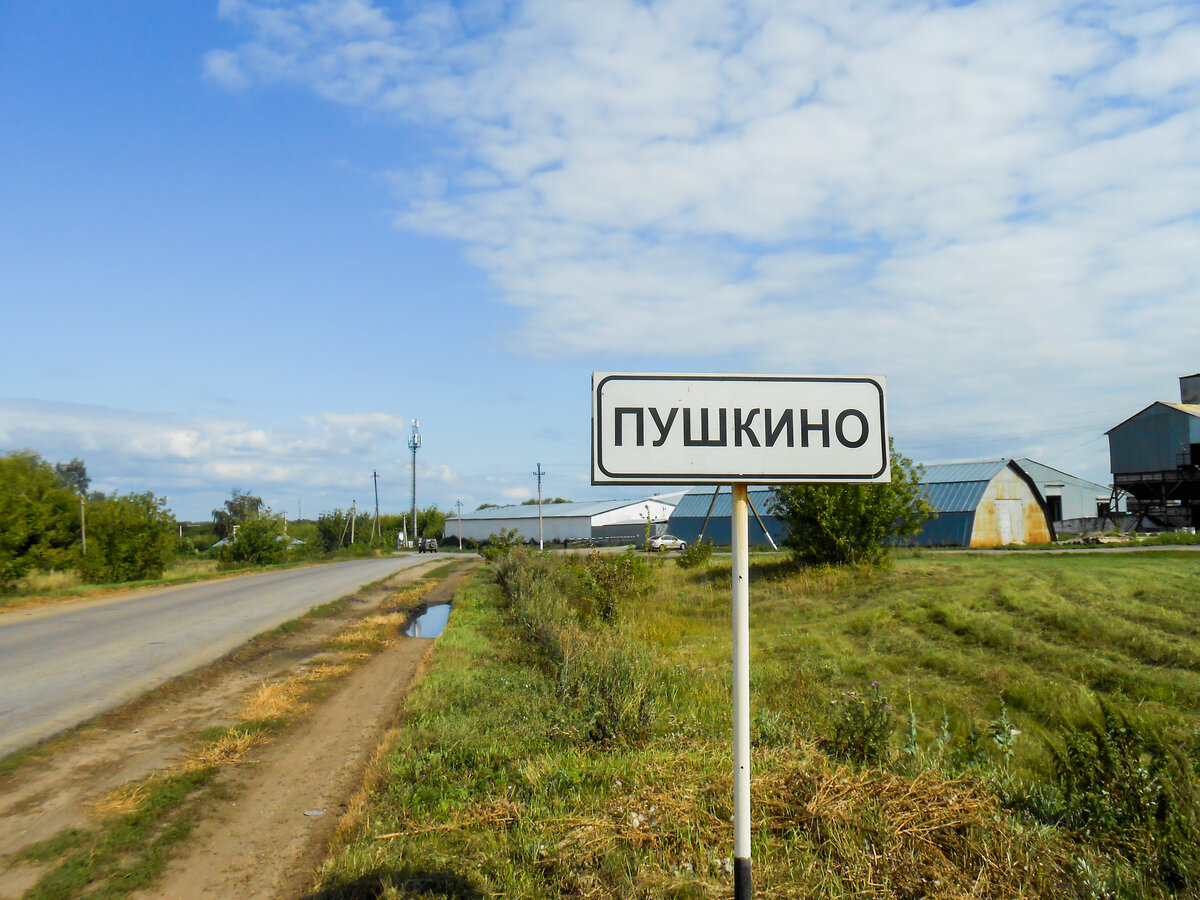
column 667, row 542
column 427, row 545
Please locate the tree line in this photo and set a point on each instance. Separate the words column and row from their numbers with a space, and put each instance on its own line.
column 50, row 520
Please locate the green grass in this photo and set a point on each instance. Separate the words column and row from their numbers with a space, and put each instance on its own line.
column 494, row 789
column 126, row 851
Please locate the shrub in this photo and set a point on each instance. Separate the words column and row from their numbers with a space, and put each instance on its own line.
column 860, row 727
column 39, row 518
column 695, row 556
column 850, row 524
column 606, row 579
column 259, row 541
column 1123, row 787
column 498, row 545
column 130, row 538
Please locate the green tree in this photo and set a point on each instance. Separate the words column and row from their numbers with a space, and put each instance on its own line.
column 130, row 537
column 260, row 541
column 334, row 531
column 39, row 518
column 73, row 475
column 850, row 524
column 432, row 521
column 240, row 507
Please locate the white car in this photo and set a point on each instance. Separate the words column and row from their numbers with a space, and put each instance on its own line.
column 667, row 542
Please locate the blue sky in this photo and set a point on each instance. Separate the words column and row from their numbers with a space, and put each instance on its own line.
column 243, row 243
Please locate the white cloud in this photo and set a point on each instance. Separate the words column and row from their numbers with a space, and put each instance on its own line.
column 979, row 199
column 197, row 462
column 223, row 67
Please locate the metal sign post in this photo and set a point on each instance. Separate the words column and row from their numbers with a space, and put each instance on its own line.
column 741, row 692
column 738, row 430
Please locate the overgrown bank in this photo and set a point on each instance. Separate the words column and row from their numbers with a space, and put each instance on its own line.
column 571, row 738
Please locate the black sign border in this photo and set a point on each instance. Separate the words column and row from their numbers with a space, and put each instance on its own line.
column 730, row 478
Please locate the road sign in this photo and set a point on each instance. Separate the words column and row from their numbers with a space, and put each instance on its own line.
column 748, row 429
column 739, row 430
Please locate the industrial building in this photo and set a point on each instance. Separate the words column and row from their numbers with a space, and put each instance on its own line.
column 1072, row 503
column 1155, row 458
column 987, row 503
column 710, row 509
column 600, row 520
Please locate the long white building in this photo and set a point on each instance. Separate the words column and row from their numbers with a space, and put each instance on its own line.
column 605, row 519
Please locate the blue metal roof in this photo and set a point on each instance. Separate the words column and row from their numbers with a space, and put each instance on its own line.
column 974, row 470
column 958, row 487
column 694, row 504
column 955, row 496
column 954, row 489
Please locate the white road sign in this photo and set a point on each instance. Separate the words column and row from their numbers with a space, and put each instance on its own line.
column 751, row 429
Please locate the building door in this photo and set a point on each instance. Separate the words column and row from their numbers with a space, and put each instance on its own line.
column 1010, row 521
column 1054, row 508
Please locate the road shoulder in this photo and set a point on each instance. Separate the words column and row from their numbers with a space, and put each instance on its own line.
column 247, row 831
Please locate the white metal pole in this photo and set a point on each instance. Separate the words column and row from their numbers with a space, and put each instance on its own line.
column 741, row 692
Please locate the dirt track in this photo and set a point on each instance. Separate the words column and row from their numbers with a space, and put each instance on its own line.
column 254, row 839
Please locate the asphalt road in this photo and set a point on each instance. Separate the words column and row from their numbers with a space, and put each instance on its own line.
column 61, row 665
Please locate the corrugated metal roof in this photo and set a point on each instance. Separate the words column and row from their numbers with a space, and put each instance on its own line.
column 972, row 470
column 950, row 487
column 694, row 504
column 955, row 496
column 1040, row 472
column 958, row 487
column 551, row 510
column 1192, row 409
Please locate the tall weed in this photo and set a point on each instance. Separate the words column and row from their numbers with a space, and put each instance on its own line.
column 1125, row 789
column 603, row 676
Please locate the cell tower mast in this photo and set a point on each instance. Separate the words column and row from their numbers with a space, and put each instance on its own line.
column 414, row 444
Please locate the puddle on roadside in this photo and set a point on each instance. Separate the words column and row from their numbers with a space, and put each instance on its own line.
column 430, row 623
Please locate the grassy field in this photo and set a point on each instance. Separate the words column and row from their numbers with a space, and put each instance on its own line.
column 1008, row 726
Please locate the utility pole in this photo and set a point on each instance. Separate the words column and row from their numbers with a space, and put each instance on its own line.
column 539, row 473
column 458, row 504
column 353, row 516
column 414, row 444
column 375, row 528
column 83, row 521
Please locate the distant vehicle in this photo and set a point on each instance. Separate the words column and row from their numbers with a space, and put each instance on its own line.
column 667, row 542
column 427, row 545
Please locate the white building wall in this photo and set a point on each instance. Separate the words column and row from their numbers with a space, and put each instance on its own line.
column 635, row 513
column 554, row 528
